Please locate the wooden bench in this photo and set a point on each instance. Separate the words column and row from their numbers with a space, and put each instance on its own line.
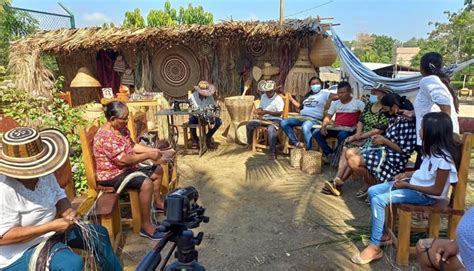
column 454, row 209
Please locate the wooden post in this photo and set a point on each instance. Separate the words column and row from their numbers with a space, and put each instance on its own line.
column 281, row 13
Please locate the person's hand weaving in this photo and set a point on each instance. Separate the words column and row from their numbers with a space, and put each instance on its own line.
column 379, row 140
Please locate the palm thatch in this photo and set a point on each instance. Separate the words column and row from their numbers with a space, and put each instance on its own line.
column 66, row 41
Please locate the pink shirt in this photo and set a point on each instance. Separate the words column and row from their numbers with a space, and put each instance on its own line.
column 108, row 149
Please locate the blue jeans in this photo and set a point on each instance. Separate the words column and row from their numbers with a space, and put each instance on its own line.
column 380, row 197
column 321, row 139
column 65, row 259
column 306, row 126
column 271, row 130
column 210, row 133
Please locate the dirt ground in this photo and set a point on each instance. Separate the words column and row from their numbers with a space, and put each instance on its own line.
column 267, row 215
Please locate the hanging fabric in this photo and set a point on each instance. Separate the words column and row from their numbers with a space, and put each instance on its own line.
column 364, row 76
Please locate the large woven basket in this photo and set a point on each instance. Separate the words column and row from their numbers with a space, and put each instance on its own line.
column 323, row 53
column 311, row 162
column 295, row 157
column 240, row 109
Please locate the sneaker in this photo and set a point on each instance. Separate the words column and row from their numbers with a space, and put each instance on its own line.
column 156, row 236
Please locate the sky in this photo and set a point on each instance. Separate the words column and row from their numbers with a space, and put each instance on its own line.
column 400, row 19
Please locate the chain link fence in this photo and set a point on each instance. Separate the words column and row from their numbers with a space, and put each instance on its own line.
column 48, row 20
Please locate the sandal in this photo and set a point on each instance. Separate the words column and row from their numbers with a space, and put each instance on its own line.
column 357, row 259
column 361, row 193
column 333, row 187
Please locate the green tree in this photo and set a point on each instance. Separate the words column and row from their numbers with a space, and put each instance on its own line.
column 13, row 25
column 164, row 17
column 195, row 15
column 374, row 48
column 453, row 39
column 133, row 19
column 413, row 42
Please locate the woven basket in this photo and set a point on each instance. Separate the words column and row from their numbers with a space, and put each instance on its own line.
column 295, row 157
column 240, row 109
column 311, row 162
column 296, row 82
column 323, row 52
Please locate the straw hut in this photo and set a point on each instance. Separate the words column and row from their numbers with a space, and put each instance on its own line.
column 169, row 60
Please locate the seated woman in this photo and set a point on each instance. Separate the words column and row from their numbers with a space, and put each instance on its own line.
column 385, row 156
column 117, row 156
column 311, row 113
column 422, row 187
column 372, row 122
column 34, row 209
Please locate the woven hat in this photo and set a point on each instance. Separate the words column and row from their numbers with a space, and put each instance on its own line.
column 119, row 64
column 378, row 86
column 84, row 78
column 205, row 89
column 26, row 153
column 127, row 78
column 267, row 85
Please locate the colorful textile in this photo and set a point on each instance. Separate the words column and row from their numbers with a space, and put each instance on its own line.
column 346, row 114
column 108, row 149
column 371, row 119
column 108, row 78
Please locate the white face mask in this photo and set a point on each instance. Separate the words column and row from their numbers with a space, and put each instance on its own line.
column 373, row 99
column 315, row 88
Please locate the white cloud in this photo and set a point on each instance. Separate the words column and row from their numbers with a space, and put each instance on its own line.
column 96, row 18
column 253, row 17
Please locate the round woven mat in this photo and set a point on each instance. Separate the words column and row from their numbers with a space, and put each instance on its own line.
column 175, row 71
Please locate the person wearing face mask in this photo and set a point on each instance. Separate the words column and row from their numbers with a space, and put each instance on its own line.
column 372, row 122
column 311, row 112
column 347, row 111
column 386, row 155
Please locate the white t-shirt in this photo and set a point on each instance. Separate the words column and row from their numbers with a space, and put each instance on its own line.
column 198, row 103
column 21, row 207
column 432, row 92
column 426, row 175
column 346, row 114
column 273, row 104
column 313, row 106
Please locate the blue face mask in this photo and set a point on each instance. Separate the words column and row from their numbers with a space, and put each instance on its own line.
column 373, row 99
column 315, row 88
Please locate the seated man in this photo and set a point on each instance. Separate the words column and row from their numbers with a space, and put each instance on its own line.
column 117, row 156
column 34, row 209
column 439, row 254
column 270, row 109
column 347, row 111
column 201, row 99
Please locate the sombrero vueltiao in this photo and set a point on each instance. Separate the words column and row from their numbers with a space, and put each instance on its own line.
column 26, row 153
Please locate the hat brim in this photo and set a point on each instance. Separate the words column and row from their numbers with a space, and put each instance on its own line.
column 206, row 92
column 56, row 151
column 383, row 89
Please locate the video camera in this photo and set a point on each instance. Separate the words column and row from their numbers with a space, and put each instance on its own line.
column 182, row 213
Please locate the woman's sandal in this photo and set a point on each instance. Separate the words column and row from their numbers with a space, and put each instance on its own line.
column 357, row 259
column 333, row 187
column 361, row 193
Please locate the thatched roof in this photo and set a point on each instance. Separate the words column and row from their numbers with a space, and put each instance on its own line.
column 66, row 41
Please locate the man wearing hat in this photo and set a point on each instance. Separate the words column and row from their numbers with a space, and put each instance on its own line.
column 33, row 207
column 270, row 109
column 201, row 99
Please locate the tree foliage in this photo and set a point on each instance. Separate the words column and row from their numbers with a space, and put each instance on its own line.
column 168, row 16
column 13, row 25
column 133, row 19
column 453, row 39
column 374, row 48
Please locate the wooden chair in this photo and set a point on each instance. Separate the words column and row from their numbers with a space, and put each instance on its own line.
column 87, row 139
column 454, row 209
column 260, row 134
column 107, row 207
column 137, row 124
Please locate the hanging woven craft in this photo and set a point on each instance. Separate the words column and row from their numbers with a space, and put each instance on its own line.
column 256, row 48
column 175, row 71
column 119, row 64
column 127, row 78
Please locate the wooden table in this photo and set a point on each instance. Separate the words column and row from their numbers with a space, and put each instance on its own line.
column 131, row 103
column 173, row 131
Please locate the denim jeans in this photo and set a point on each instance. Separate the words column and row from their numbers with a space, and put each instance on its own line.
column 271, row 130
column 306, row 126
column 210, row 133
column 321, row 139
column 65, row 259
column 380, row 197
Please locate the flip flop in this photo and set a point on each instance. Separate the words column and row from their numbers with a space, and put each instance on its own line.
column 333, row 188
column 361, row 193
column 357, row 259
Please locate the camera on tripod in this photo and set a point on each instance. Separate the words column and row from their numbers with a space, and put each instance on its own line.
column 182, row 213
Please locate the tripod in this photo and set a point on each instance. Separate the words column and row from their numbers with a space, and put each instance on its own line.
column 186, row 254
